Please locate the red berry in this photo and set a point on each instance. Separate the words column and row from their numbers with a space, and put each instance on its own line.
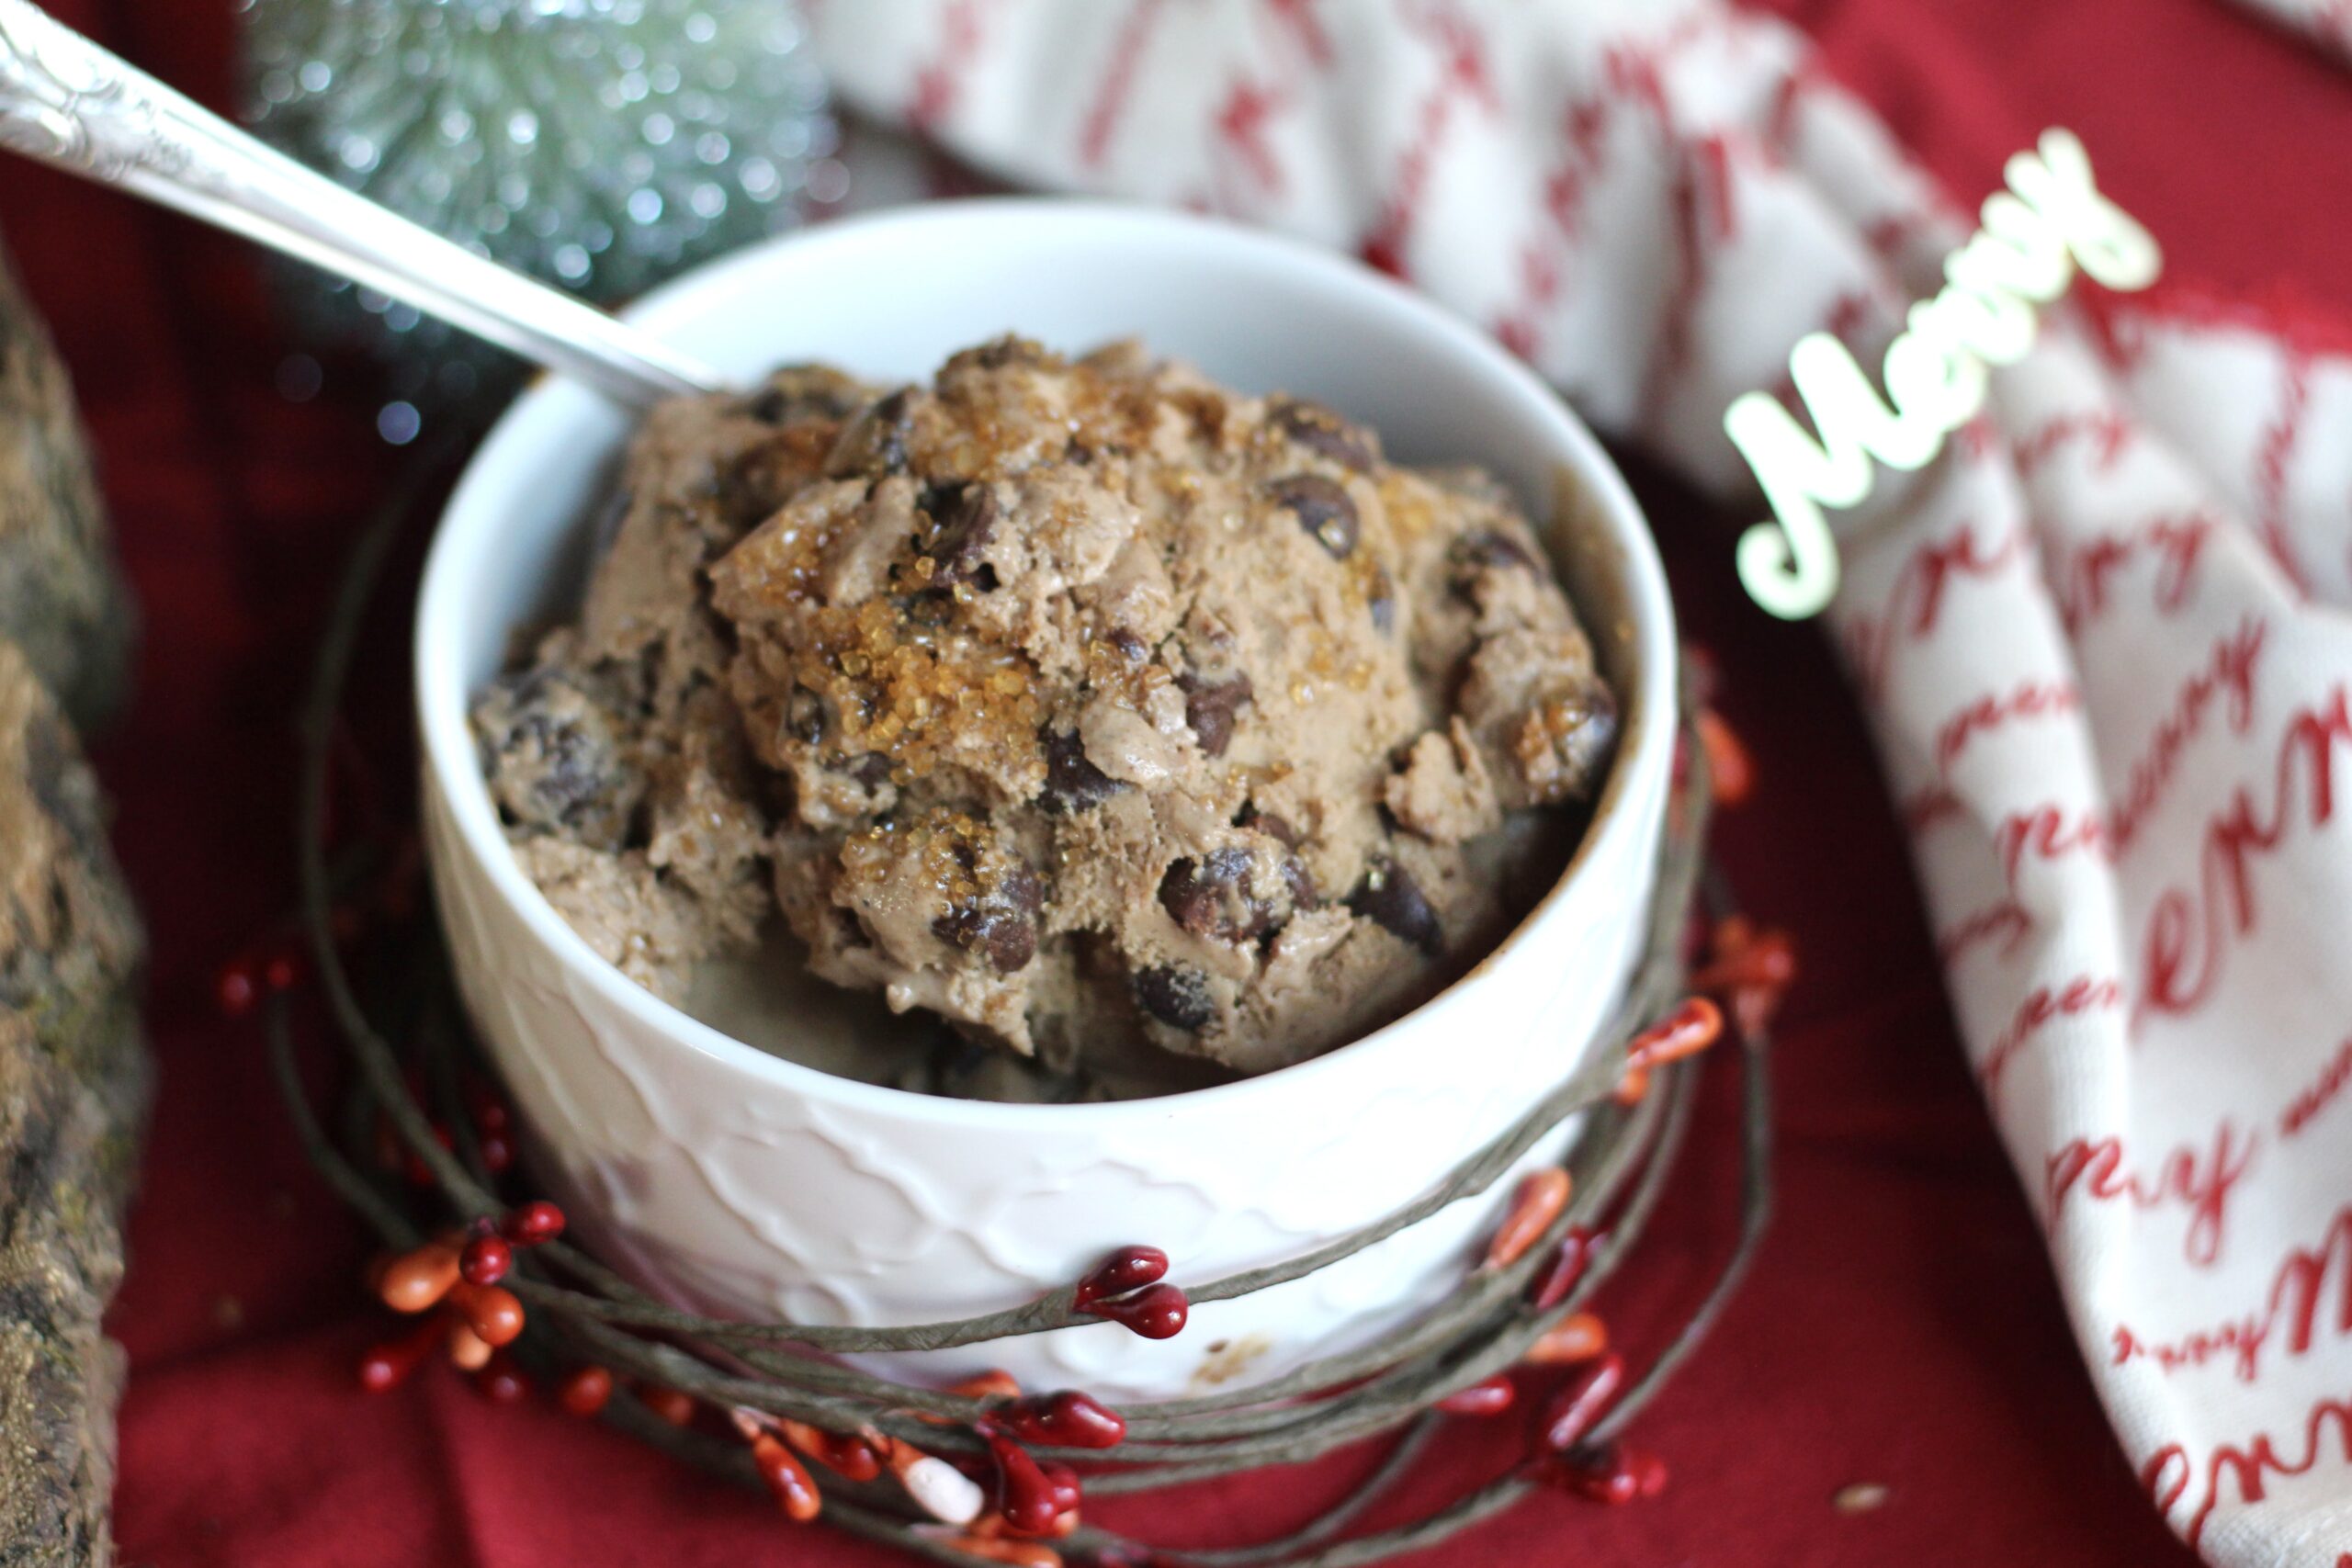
column 489, row 1112
column 1067, row 1495
column 236, row 988
column 584, row 1391
column 387, row 1366
column 497, row 1152
column 501, row 1382
column 1156, row 1312
column 534, row 1222
column 420, row 1174
column 1612, row 1474
column 1129, row 1269
column 282, row 969
column 1567, row 1266
column 1023, row 1494
column 1728, row 762
column 486, row 1260
column 1068, row 1419
column 1603, row 1482
column 1581, row 1401
column 673, row 1406
column 1491, row 1397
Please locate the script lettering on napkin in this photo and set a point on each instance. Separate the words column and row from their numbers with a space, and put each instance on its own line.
column 2052, row 218
column 2310, row 1291
column 2100, row 1169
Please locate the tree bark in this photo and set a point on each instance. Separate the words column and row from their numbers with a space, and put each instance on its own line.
column 74, row 1073
column 62, row 599
column 74, row 1083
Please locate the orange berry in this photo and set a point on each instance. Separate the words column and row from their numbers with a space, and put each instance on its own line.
column 418, row 1280
column 1542, row 1195
column 491, row 1311
column 1579, row 1336
column 469, row 1351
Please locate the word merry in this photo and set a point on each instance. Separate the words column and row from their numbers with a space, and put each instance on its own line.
column 2095, row 1167
column 2170, row 1471
column 1926, row 573
column 2297, row 1305
column 2243, row 1339
column 1991, row 710
column 2043, row 1006
column 2333, row 1079
column 2083, row 575
column 2052, row 218
column 2190, row 930
column 2052, row 831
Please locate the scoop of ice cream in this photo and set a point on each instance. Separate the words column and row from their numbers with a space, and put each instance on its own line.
column 1078, row 701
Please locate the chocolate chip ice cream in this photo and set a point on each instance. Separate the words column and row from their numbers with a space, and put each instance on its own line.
column 1080, row 703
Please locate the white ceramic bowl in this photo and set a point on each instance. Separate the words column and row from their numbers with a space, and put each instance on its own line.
column 727, row 1178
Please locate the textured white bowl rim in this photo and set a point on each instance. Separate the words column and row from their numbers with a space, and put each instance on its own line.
column 450, row 755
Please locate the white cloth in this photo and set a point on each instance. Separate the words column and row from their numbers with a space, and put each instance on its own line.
column 2103, row 642
column 2327, row 23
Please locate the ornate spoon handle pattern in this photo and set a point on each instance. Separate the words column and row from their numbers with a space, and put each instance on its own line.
column 69, row 103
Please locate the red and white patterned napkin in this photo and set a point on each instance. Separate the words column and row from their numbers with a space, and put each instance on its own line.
column 2103, row 641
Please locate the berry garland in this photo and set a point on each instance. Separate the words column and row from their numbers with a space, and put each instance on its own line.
column 985, row 1471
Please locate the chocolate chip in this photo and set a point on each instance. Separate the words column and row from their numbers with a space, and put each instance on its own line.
column 574, row 779
column 966, row 516
column 1177, row 996
column 557, row 757
column 1390, row 898
column 1209, row 707
column 1324, row 433
column 872, row 770
column 1304, row 893
column 1214, row 896
column 1132, row 648
column 1072, row 782
column 804, row 392
column 1323, row 509
column 874, row 442
column 1492, row 546
column 1001, row 923
column 998, row 352
column 1273, row 827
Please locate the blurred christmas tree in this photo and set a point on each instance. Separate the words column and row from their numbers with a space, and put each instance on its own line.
column 600, row 144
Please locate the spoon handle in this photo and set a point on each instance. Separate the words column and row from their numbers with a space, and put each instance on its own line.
column 69, row 103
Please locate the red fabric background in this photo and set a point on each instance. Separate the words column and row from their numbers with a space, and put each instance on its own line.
column 1901, row 1327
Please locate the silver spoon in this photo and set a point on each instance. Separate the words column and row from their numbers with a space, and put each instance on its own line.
column 69, row 103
